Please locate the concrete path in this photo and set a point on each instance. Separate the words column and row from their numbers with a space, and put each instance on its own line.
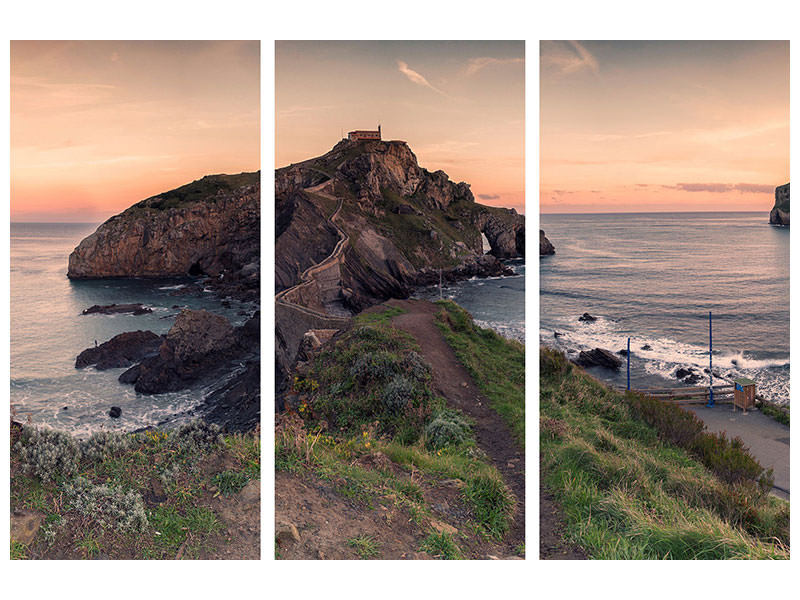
column 767, row 439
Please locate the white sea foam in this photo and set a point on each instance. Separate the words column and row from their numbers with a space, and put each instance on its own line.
column 664, row 356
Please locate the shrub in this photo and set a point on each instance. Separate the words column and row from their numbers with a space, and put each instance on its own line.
column 448, row 428
column 108, row 504
column 416, row 367
column 196, row 436
column 730, row 460
column 673, row 424
column 398, row 394
column 376, row 366
column 105, row 443
column 47, row 453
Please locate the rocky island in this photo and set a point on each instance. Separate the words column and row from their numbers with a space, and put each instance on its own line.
column 779, row 215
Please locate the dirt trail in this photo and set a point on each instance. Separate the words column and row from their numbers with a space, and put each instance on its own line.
column 452, row 380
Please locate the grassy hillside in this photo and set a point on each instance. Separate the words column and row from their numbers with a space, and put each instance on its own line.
column 639, row 479
column 368, row 423
column 152, row 495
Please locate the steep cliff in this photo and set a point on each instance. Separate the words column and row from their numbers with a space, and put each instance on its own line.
column 779, row 215
column 210, row 226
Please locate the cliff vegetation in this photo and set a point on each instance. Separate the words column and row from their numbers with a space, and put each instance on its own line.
column 640, row 479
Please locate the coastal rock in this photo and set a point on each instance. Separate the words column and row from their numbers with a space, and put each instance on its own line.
column 688, row 375
column 587, row 318
column 208, row 227
column 779, row 215
column 120, row 351
column 545, row 246
column 114, row 309
column 198, row 342
column 115, row 412
column 599, row 357
column 204, row 349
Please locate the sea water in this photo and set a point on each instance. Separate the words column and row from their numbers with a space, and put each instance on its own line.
column 654, row 278
column 494, row 302
column 48, row 331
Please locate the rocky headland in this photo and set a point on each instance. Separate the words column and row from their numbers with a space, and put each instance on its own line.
column 208, row 227
column 779, row 215
column 207, row 231
column 364, row 223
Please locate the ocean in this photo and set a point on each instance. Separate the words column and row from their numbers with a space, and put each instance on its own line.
column 48, row 332
column 494, row 302
column 655, row 277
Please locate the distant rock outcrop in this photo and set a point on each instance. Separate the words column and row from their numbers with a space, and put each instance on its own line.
column 779, row 215
column 210, row 226
column 545, row 247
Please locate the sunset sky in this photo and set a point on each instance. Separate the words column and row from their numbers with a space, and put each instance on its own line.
column 98, row 126
column 459, row 105
column 663, row 126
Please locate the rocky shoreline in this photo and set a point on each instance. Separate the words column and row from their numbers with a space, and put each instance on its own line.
column 207, row 232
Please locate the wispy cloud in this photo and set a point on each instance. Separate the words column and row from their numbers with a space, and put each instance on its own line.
column 489, row 196
column 571, row 57
column 476, row 64
column 719, row 188
column 295, row 111
column 416, row 78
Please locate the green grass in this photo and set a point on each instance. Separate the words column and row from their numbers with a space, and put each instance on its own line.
column 497, row 365
column 200, row 190
column 18, row 551
column 230, row 482
column 442, row 546
column 342, row 418
column 365, row 546
column 779, row 413
column 629, row 494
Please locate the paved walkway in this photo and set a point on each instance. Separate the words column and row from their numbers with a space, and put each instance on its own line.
column 767, row 439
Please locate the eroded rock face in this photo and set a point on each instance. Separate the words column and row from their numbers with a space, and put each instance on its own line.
column 120, row 351
column 779, row 215
column 210, row 226
column 545, row 247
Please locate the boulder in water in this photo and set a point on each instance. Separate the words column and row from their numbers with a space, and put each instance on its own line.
column 599, row 357
column 587, row 318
